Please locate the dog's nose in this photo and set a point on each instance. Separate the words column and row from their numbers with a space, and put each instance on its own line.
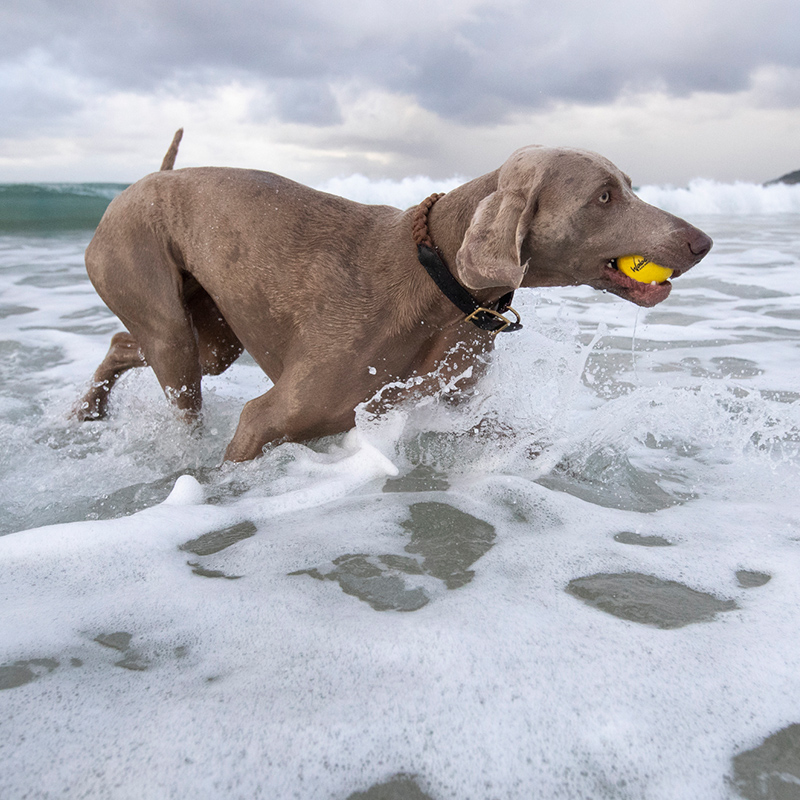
column 699, row 243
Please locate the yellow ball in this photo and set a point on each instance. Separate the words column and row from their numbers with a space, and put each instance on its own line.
column 642, row 270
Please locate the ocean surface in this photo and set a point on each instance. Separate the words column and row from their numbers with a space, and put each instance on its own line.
column 583, row 584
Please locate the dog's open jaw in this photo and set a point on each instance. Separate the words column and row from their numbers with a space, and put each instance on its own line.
column 643, row 294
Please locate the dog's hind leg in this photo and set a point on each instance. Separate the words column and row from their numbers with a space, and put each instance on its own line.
column 143, row 285
column 123, row 354
column 174, row 360
column 174, row 357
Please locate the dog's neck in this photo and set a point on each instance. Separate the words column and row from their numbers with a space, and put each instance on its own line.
column 447, row 223
column 449, row 219
column 485, row 317
column 452, row 214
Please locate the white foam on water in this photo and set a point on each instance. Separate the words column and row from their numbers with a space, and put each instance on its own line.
column 402, row 194
column 242, row 680
column 186, row 492
column 703, row 196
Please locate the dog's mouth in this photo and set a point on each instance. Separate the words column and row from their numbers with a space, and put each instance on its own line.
column 643, row 294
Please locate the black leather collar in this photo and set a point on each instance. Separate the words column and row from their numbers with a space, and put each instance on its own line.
column 487, row 318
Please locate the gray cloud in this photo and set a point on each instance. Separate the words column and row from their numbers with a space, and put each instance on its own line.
column 479, row 63
column 34, row 93
column 425, row 88
column 306, row 101
column 591, row 52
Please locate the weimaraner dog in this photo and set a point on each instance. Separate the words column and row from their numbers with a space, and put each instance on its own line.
column 335, row 299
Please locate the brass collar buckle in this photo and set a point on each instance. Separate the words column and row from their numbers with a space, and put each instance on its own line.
column 493, row 321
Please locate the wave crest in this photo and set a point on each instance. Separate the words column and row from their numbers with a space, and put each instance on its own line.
column 704, row 196
column 49, row 207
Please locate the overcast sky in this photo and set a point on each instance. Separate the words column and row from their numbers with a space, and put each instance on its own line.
column 314, row 89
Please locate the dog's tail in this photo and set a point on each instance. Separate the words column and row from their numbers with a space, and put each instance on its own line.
column 169, row 158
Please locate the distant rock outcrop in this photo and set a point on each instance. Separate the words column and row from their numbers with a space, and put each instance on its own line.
column 790, row 177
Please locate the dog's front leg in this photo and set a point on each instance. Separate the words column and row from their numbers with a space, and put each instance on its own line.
column 449, row 367
column 455, row 363
column 289, row 412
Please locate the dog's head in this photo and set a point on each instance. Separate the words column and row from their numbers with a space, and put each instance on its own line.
column 562, row 217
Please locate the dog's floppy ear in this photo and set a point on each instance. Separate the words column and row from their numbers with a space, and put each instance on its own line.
column 489, row 255
column 490, row 252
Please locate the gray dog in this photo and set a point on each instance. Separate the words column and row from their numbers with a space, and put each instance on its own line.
column 334, row 299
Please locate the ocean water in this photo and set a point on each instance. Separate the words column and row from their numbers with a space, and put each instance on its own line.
column 585, row 583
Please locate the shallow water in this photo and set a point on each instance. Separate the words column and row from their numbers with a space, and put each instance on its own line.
column 582, row 584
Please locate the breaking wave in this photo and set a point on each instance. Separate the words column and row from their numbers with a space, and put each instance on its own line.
column 48, row 207
column 704, row 196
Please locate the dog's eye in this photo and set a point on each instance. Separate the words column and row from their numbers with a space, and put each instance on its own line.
column 605, row 197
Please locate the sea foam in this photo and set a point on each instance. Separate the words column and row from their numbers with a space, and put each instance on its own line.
column 702, row 196
column 712, row 197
